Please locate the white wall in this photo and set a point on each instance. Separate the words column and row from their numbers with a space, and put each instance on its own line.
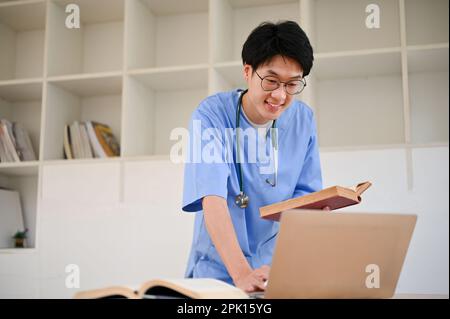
column 126, row 234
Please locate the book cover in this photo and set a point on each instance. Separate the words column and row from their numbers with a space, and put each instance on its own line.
column 67, row 143
column 86, row 144
column 332, row 197
column 76, row 140
column 97, row 148
column 107, row 139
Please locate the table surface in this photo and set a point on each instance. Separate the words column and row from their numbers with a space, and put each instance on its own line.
column 419, row 296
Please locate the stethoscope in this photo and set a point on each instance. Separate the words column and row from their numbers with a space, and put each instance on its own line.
column 242, row 199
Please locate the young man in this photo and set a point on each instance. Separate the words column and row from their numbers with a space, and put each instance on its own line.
column 231, row 242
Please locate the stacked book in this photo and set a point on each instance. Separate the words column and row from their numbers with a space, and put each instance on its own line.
column 89, row 140
column 15, row 143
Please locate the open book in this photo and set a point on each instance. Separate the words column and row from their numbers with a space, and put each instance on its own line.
column 334, row 197
column 198, row 288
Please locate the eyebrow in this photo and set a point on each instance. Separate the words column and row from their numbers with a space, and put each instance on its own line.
column 275, row 73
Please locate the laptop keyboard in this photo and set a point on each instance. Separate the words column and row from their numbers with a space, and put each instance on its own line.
column 256, row 295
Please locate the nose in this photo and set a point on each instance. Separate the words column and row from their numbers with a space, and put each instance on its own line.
column 280, row 94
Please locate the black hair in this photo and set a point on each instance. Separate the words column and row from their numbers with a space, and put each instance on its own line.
column 284, row 38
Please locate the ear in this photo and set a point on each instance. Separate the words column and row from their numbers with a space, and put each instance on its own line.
column 247, row 71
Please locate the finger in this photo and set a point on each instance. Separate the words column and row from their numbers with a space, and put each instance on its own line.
column 262, row 274
column 259, row 284
column 249, row 288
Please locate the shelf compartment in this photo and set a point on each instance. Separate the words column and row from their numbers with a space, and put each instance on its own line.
column 153, row 111
column 8, row 3
column 18, row 91
column 22, row 103
column 22, row 38
column 357, row 64
column 428, row 58
column 19, row 169
column 90, row 85
column 426, row 21
column 166, row 33
column 232, row 22
column 71, row 99
column 24, row 179
column 365, row 110
column 226, row 77
column 90, row 183
column 337, row 20
column 429, row 95
column 78, row 51
column 175, row 78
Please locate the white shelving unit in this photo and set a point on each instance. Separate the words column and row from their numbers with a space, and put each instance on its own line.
column 142, row 66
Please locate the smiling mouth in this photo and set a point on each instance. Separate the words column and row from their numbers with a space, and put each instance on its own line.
column 273, row 108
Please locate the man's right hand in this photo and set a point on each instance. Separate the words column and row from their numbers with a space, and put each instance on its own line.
column 255, row 280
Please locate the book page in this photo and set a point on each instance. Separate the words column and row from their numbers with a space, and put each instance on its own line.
column 197, row 288
column 109, row 292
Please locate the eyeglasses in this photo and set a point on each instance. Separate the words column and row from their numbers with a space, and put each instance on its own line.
column 271, row 83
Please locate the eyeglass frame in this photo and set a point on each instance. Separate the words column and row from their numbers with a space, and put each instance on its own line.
column 303, row 80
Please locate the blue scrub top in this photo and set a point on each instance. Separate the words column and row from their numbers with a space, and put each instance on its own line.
column 299, row 173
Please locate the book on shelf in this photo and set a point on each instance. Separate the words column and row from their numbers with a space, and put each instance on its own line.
column 8, row 142
column 23, row 143
column 4, row 153
column 86, row 144
column 15, row 143
column 334, row 197
column 76, row 140
column 197, row 288
column 107, row 139
column 67, row 143
column 99, row 152
column 89, row 140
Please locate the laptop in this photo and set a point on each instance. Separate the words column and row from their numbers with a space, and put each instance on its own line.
column 338, row 255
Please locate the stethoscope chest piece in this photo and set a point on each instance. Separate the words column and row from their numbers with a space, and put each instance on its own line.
column 241, row 200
